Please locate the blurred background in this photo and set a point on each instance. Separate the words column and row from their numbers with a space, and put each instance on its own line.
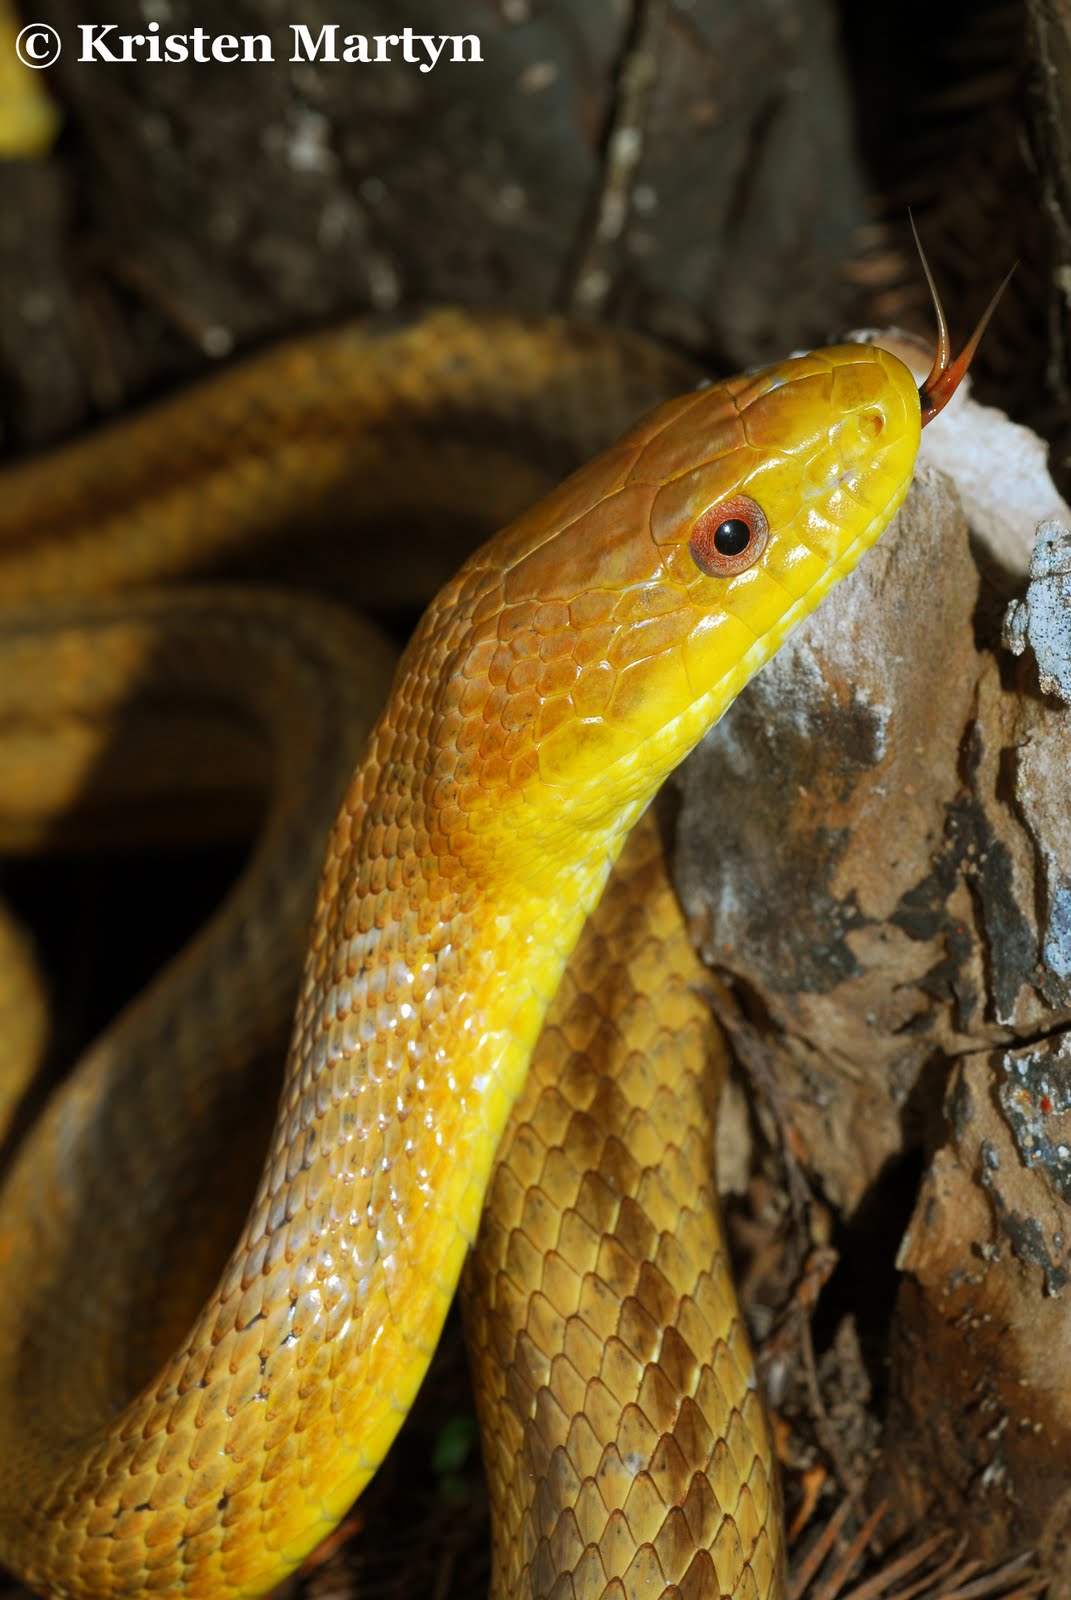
column 731, row 177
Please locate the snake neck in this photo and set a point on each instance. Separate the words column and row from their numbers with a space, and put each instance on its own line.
column 373, row 1187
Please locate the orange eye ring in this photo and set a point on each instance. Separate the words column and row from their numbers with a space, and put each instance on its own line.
column 729, row 537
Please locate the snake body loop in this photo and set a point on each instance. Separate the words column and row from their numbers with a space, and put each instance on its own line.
column 553, row 682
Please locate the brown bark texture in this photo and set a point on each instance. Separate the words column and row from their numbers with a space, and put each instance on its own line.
column 875, row 852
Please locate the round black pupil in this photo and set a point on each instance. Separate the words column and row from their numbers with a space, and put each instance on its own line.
column 732, row 536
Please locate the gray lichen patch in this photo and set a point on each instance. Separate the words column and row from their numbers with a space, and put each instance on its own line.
column 1042, row 619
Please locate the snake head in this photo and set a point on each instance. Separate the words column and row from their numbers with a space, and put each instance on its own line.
column 582, row 652
column 588, row 647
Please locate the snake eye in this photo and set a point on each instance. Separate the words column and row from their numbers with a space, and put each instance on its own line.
column 729, row 537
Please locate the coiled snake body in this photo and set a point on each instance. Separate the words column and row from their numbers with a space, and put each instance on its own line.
column 551, row 685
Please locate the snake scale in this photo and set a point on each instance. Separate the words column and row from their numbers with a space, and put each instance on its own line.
column 479, row 1013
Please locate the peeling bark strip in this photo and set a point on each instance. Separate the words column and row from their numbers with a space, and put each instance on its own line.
column 102, row 41
column 979, row 1430
column 1049, row 34
column 824, row 850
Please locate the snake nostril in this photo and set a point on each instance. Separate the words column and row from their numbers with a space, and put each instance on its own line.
column 871, row 423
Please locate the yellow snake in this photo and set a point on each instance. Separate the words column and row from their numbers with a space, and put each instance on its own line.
column 552, row 684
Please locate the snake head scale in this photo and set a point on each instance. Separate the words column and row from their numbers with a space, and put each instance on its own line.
column 575, row 659
column 591, row 644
